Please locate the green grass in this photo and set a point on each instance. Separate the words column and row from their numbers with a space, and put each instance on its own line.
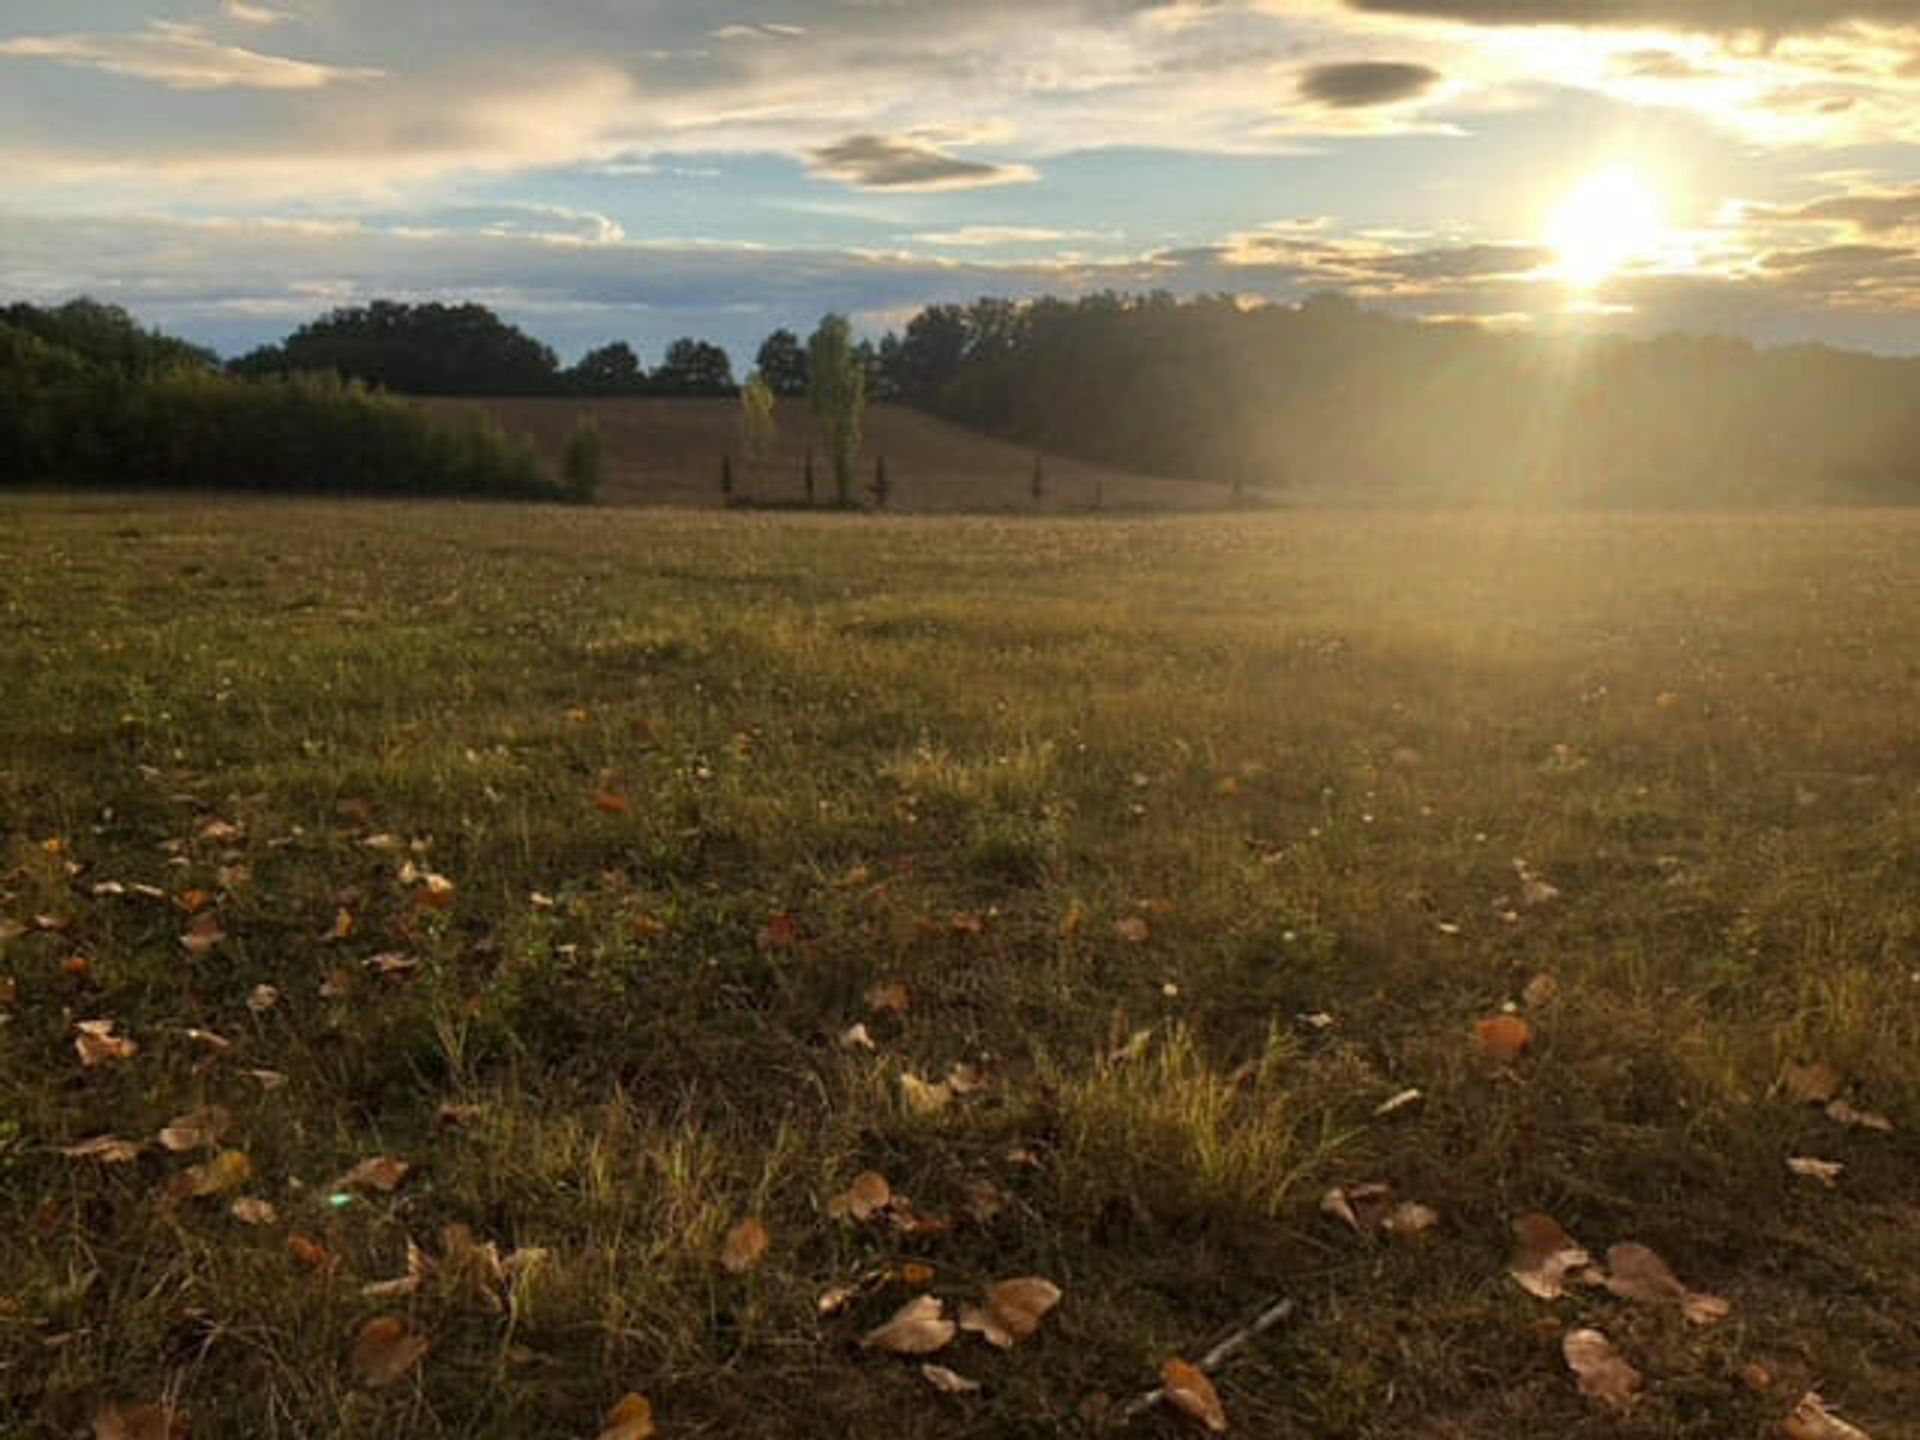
column 1303, row 749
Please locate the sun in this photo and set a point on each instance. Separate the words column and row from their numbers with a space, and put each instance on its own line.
column 1607, row 221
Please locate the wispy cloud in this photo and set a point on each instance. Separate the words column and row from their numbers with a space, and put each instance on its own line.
column 874, row 162
column 183, row 57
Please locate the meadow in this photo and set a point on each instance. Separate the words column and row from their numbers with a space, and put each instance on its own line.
column 465, row 965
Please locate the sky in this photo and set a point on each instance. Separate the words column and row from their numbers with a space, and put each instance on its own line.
column 646, row 169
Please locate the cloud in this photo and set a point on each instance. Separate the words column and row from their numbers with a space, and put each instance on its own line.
column 250, row 14
column 991, row 236
column 1836, row 257
column 1872, row 211
column 874, row 162
column 1360, row 84
column 1724, row 16
column 181, row 57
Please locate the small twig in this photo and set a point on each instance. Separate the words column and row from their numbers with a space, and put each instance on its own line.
column 1218, row 1356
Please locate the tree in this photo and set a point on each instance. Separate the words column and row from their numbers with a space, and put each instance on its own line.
column 783, row 363
column 416, row 350
column 837, row 393
column 583, row 460
column 694, row 367
column 759, row 430
column 932, row 351
column 610, row 370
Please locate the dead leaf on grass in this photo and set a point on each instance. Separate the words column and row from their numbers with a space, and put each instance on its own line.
column 1603, row 1372
column 226, row 1172
column 96, row 1043
column 1362, row 1207
column 919, row 1327
column 923, row 1097
column 890, row 998
column 745, row 1247
column 1827, row 1172
column 1841, row 1112
column 948, row 1382
column 630, row 1419
column 381, row 1173
column 1188, row 1390
column 865, row 1198
column 1134, row 929
column 385, row 1350
column 1545, row 1256
column 203, row 935
column 1503, row 1038
column 1408, row 1220
column 1812, row 1084
column 106, row 1149
column 856, row 1037
column 1812, row 1420
column 249, row 1210
column 1635, row 1272
column 1397, row 1102
column 1013, row 1311
column 139, row 1422
column 198, row 1129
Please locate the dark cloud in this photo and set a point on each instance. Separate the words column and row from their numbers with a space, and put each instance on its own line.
column 1874, row 211
column 1362, row 83
column 874, row 162
column 1466, row 262
column 1724, row 16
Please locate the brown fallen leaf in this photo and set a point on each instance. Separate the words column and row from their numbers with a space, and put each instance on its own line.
column 745, row 1247
column 1187, row 1388
column 311, row 1253
column 1602, row 1372
column 865, row 1198
column 1827, row 1172
column 948, row 1382
column 890, row 998
column 1503, row 1038
column 226, row 1172
column 1813, row 1084
column 1812, row 1420
column 832, row 1302
column 139, row 1422
column 1362, row 1207
column 607, row 802
column 630, row 1419
column 96, row 1044
column 1013, row 1311
column 856, row 1037
column 249, row 1210
column 385, row 1350
column 106, row 1149
column 919, row 1327
column 436, row 892
column 923, row 1097
column 1842, row 1112
column 965, row 1079
column 203, row 935
column 1545, row 1256
column 1540, row 992
column 198, row 1129
column 382, row 1173
column 1635, row 1272
column 1134, row 929
column 419, row 1267
column 1408, row 1220
column 779, row 933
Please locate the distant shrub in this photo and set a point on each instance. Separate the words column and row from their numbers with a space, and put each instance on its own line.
column 583, row 461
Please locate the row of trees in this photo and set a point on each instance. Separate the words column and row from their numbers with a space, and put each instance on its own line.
column 1336, row 401
column 92, row 398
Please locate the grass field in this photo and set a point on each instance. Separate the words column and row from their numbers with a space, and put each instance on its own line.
column 668, row 452
column 569, row 845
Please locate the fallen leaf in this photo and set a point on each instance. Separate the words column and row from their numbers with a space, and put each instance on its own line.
column 1540, row 992
column 228, row 1170
column 1134, row 929
column 1189, row 1391
column 630, row 1419
column 1602, row 1372
column 965, row 1079
column 203, row 935
column 199, row 1129
column 1362, row 1207
column 269, row 1080
column 194, row 901
column 918, row 1327
column 1827, row 1172
column 948, row 1382
column 1545, row 1256
column 263, row 998
column 745, row 1247
column 889, row 997
column 1843, row 1113
column 385, row 1350
column 139, row 1422
column 436, row 892
column 452, row 1113
column 866, row 1197
column 779, row 933
column 966, row 922
column 982, row 1200
column 249, row 1210
column 1813, row 1084
column 832, row 1302
column 419, row 1266
column 1812, row 1420
column 310, row 1252
column 382, row 1173
column 915, row 1275
column 97, row 1044
column 1408, row 1220
column 1634, row 1272
column 1503, row 1038
column 221, row 832
column 855, row 1037
column 922, row 1097
column 107, row 1149
column 608, row 803
column 1013, row 1311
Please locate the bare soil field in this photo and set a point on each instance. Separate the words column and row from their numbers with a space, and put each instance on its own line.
column 667, row 452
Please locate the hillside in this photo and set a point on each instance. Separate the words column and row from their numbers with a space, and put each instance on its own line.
column 668, row 452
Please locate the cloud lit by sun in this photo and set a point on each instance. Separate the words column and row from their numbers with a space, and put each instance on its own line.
column 1611, row 219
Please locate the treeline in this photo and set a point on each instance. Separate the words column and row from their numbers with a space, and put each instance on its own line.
column 1336, row 402
column 92, row 398
column 468, row 350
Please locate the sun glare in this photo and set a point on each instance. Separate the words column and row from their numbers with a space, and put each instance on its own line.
column 1610, row 219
